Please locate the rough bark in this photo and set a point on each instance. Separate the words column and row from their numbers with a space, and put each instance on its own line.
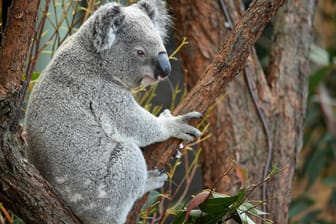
column 22, row 189
column 225, row 67
column 288, row 80
column 237, row 131
column 15, row 45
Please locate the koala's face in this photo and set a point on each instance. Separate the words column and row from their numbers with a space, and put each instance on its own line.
column 130, row 41
column 140, row 50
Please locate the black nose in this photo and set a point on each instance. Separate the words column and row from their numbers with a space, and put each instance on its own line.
column 163, row 67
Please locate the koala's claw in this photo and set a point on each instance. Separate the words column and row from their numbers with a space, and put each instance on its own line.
column 188, row 129
column 178, row 126
column 188, row 133
column 185, row 137
column 155, row 179
column 191, row 115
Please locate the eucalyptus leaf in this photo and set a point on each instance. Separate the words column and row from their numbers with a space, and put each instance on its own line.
column 300, row 204
column 245, row 218
column 318, row 55
column 218, row 205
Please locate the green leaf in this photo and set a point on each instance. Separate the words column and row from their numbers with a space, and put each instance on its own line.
column 316, row 78
column 312, row 216
column 321, row 155
column 250, row 208
column 196, row 213
column 35, row 75
column 219, row 195
column 274, row 171
column 209, row 219
column 241, row 196
column 193, row 217
column 153, row 196
column 179, row 218
column 245, row 219
column 330, row 180
column 236, row 217
column 300, row 204
column 218, row 205
column 318, row 55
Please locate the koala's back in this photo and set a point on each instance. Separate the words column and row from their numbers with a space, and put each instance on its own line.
column 82, row 163
column 70, row 148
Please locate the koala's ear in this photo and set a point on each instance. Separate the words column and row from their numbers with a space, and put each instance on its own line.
column 107, row 20
column 158, row 13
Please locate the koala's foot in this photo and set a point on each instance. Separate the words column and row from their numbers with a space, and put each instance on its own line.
column 179, row 127
column 155, row 179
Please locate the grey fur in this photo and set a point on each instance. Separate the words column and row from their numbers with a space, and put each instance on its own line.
column 84, row 126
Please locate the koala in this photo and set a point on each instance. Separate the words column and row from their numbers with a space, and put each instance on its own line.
column 84, row 128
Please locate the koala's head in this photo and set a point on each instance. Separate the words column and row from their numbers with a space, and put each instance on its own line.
column 129, row 41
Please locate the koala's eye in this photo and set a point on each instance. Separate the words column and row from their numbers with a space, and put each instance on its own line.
column 141, row 53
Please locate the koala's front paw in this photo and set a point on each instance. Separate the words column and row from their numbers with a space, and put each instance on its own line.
column 155, row 179
column 180, row 128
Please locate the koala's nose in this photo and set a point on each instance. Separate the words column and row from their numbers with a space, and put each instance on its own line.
column 163, row 67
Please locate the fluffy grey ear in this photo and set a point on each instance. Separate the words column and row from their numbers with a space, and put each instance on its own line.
column 107, row 20
column 157, row 12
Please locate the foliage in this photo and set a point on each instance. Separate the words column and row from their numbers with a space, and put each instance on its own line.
column 210, row 207
column 207, row 206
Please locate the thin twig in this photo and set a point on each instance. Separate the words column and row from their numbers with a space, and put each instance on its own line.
column 267, row 133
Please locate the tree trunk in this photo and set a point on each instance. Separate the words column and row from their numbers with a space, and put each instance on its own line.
column 202, row 22
column 237, row 129
column 288, row 81
column 224, row 67
column 22, row 189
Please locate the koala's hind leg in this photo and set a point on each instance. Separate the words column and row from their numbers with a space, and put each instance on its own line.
column 125, row 180
column 155, row 179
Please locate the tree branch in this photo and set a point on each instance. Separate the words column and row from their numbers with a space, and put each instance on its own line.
column 226, row 65
column 16, row 40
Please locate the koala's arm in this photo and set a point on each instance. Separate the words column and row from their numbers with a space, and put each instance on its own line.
column 134, row 123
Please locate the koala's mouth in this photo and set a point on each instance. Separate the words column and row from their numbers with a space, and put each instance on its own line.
column 149, row 80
